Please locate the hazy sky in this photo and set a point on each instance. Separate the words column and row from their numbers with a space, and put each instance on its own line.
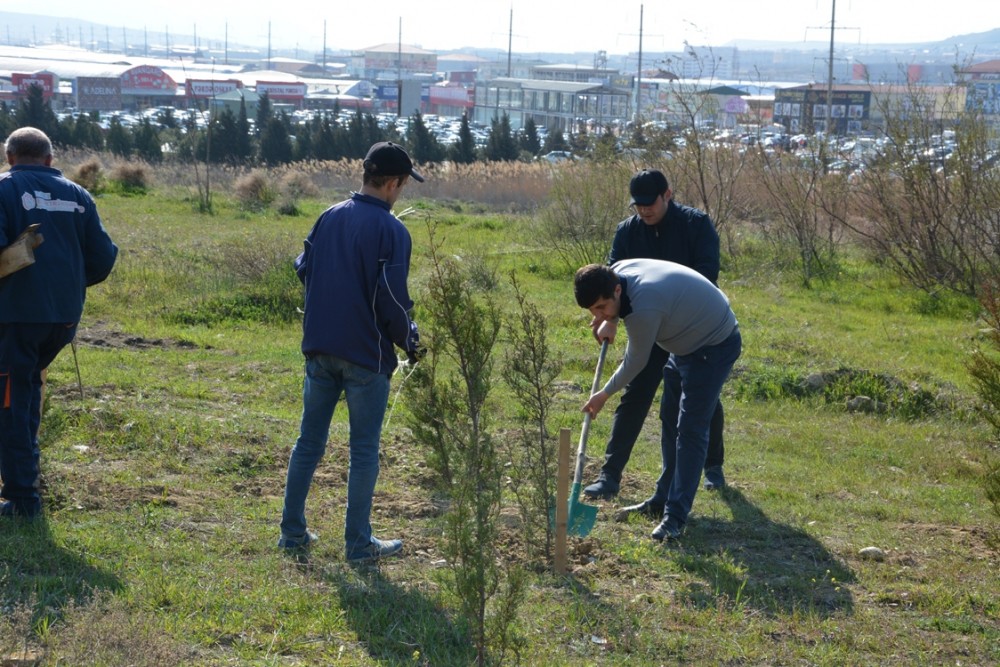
column 538, row 26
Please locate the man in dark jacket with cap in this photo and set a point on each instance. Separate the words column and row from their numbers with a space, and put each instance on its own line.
column 355, row 267
column 659, row 229
column 40, row 304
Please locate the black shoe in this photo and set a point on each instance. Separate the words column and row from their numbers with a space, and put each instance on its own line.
column 374, row 551
column 602, row 489
column 647, row 508
column 714, row 479
column 666, row 531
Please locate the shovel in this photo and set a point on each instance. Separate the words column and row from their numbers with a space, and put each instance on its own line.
column 581, row 516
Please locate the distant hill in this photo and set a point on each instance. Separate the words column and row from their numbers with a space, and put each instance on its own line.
column 24, row 29
column 978, row 41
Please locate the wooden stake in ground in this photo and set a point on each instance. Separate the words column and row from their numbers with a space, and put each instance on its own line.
column 562, row 501
column 21, row 252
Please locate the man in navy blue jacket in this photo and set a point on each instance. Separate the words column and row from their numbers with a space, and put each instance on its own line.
column 355, row 267
column 660, row 229
column 40, row 304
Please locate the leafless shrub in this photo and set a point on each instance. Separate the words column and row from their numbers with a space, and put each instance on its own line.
column 706, row 173
column 253, row 191
column 249, row 262
column 795, row 187
column 131, row 176
column 293, row 187
column 88, row 175
column 713, row 178
column 935, row 221
column 586, row 202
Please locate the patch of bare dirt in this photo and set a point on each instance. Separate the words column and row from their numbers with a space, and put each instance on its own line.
column 99, row 336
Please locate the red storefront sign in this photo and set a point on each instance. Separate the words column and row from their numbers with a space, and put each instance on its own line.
column 147, row 78
column 23, row 82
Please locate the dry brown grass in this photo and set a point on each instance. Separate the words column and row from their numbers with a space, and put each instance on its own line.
column 507, row 186
column 105, row 632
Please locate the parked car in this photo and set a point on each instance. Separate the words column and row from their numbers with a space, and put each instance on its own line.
column 557, row 156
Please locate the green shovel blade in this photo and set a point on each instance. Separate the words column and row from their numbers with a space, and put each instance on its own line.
column 581, row 516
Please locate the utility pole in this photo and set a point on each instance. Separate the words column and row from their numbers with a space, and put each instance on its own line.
column 829, row 71
column 510, row 39
column 399, row 70
column 638, row 76
column 829, row 74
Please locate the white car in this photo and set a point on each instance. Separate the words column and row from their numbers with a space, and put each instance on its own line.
column 557, row 156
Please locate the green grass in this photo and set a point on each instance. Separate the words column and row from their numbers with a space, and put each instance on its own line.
column 163, row 484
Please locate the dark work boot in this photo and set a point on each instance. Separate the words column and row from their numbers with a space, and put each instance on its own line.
column 647, row 508
column 667, row 530
column 602, row 489
column 714, row 479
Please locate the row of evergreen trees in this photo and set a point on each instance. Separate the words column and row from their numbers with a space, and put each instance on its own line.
column 272, row 138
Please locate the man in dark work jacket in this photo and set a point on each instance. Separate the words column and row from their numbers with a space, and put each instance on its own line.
column 660, row 229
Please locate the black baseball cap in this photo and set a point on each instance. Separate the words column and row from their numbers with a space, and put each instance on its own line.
column 388, row 159
column 646, row 186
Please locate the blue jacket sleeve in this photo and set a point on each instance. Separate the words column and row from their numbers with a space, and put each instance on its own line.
column 99, row 252
column 392, row 298
column 302, row 261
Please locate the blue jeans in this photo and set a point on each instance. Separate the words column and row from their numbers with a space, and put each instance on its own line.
column 367, row 392
column 25, row 351
column 692, row 384
column 631, row 414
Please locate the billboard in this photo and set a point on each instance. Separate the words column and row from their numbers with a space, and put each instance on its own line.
column 147, row 78
column 98, row 93
column 202, row 88
column 282, row 91
column 44, row 80
column 452, row 95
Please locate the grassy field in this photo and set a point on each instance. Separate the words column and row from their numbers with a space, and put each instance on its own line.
column 163, row 482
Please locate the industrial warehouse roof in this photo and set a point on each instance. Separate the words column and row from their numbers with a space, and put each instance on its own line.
column 392, row 47
column 68, row 62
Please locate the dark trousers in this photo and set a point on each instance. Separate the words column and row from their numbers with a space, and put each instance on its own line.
column 25, row 351
column 692, row 384
column 631, row 414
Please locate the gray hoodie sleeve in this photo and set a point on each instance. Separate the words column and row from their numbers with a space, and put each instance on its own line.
column 641, row 328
